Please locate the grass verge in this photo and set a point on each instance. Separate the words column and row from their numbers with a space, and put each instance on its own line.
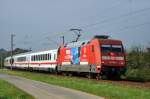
column 107, row 90
column 8, row 91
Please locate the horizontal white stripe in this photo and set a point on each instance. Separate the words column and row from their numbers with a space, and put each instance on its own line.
column 83, row 63
column 120, row 58
column 66, row 63
column 112, row 58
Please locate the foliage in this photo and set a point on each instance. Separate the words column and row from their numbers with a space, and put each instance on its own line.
column 138, row 62
column 8, row 91
column 102, row 89
column 141, row 75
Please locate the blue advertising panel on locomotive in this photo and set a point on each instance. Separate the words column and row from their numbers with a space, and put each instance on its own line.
column 75, row 55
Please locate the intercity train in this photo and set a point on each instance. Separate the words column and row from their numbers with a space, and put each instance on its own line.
column 96, row 58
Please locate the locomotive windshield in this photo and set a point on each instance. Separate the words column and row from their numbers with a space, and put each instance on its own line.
column 111, row 48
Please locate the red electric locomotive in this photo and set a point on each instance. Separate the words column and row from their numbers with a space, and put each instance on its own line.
column 99, row 57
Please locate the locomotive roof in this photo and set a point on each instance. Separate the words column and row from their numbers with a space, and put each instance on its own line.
column 77, row 44
column 83, row 42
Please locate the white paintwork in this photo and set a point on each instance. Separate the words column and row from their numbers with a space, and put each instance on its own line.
column 83, row 63
column 28, row 60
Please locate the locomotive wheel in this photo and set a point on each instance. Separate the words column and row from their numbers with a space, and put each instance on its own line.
column 65, row 74
column 98, row 77
column 101, row 77
column 90, row 75
column 70, row 74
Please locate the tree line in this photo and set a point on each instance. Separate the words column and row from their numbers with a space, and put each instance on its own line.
column 138, row 63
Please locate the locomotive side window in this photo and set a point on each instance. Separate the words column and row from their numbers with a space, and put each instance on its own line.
column 92, row 48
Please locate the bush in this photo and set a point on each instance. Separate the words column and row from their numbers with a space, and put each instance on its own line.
column 139, row 74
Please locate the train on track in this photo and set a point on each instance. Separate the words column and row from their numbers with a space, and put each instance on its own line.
column 97, row 57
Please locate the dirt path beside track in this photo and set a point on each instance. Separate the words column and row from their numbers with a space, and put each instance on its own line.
column 41, row 90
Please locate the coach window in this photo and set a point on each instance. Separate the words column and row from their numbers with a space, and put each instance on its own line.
column 34, row 57
column 54, row 56
column 39, row 57
column 50, row 56
column 45, row 56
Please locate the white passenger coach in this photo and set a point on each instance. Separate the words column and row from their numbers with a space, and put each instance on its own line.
column 43, row 60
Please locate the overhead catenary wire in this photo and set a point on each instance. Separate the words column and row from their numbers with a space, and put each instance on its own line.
column 84, row 27
column 115, row 18
column 131, row 26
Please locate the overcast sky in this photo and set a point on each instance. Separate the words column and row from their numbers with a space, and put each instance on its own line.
column 38, row 24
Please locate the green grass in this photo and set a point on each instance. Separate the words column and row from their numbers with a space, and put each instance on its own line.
column 8, row 91
column 107, row 90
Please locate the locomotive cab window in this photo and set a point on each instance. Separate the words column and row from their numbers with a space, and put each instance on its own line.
column 111, row 48
column 106, row 48
column 117, row 48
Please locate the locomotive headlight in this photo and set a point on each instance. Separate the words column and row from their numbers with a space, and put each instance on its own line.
column 122, row 63
column 105, row 57
column 120, row 58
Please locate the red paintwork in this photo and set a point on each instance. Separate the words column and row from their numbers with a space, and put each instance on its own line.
column 64, row 55
column 91, row 53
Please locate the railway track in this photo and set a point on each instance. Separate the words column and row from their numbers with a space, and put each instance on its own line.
column 145, row 85
column 122, row 82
